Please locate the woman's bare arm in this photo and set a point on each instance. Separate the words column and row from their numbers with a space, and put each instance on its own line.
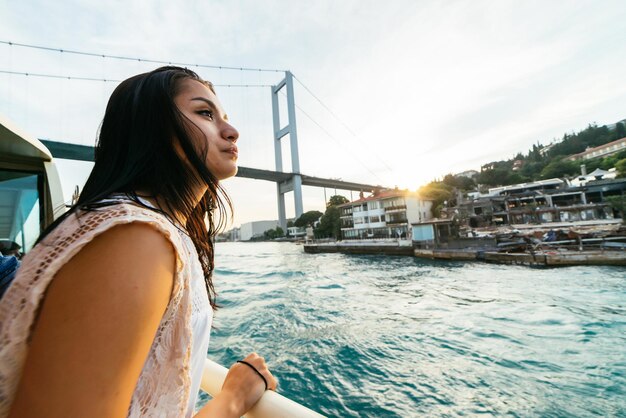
column 96, row 326
column 95, row 329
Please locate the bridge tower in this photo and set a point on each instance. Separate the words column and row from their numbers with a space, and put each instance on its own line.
column 295, row 182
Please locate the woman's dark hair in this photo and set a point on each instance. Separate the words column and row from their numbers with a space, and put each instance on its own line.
column 135, row 151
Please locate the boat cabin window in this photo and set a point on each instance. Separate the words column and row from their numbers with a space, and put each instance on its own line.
column 20, row 211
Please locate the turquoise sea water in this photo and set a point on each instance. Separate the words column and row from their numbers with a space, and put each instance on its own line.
column 376, row 336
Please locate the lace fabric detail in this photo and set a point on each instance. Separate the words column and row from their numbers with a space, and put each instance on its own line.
column 164, row 383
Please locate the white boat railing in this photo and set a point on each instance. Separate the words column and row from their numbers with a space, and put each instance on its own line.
column 271, row 404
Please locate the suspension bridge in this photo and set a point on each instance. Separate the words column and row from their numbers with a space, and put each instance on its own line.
column 287, row 179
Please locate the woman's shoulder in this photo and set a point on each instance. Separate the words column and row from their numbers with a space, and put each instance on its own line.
column 105, row 214
column 107, row 302
column 122, row 209
column 81, row 227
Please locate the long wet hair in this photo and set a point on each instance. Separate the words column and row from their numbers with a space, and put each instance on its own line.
column 135, row 151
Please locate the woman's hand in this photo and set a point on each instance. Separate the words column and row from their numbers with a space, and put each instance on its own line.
column 242, row 388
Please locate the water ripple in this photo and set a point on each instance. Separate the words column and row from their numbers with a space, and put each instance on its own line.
column 375, row 336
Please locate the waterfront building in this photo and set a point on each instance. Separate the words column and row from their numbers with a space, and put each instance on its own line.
column 536, row 186
column 470, row 174
column 251, row 230
column 597, row 174
column 600, row 151
column 296, row 232
column 543, row 151
column 231, row 235
column 545, row 201
column 387, row 214
column 431, row 233
column 234, row 234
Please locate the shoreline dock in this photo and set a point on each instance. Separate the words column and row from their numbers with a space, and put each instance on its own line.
column 546, row 256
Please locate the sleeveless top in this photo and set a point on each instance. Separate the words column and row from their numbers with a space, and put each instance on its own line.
column 169, row 381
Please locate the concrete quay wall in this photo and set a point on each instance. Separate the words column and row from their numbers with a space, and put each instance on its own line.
column 540, row 258
column 375, row 249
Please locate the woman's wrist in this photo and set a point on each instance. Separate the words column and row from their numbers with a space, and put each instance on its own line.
column 224, row 405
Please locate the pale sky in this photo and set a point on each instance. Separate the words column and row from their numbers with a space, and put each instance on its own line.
column 424, row 87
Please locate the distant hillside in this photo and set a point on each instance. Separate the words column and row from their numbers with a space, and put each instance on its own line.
column 591, row 137
column 540, row 162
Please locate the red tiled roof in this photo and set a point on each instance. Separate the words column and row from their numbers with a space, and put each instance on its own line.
column 599, row 147
column 385, row 194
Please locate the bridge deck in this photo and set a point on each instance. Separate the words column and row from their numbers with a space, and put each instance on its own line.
column 86, row 153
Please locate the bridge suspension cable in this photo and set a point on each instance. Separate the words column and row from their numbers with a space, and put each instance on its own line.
column 339, row 142
column 337, row 118
column 220, row 67
column 109, row 80
column 139, row 59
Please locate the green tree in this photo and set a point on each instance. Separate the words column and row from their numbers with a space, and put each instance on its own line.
column 532, row 170
column 459, row 182
column 274, row 233
column 494, row 177
column 560, row 168
column 330, row 222
column 621, row 167
column 308, row 218
column 620, row 130
column 619, row 204
column 336, row 200
column 592, row 136
column 438, row 192
column 515, row 178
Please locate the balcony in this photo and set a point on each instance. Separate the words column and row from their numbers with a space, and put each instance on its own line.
column 398, row 208
column 397, row 221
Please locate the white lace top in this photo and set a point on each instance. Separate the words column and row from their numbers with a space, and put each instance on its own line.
column 170, row 378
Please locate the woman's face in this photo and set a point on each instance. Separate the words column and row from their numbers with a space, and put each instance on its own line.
column 211, row 131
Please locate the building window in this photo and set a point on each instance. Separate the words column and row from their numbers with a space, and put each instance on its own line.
column 20, row 208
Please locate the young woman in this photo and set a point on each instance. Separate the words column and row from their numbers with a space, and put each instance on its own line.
column 109, row 315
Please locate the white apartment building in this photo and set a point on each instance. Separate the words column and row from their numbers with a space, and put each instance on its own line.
column 385, row 215
column 296, row 232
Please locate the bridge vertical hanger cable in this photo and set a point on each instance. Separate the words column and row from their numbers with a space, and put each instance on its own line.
column 338, row 141
column 243, row 103
column 11, row 84
column 103, row 88
column 62, row 98
column 334, row 115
